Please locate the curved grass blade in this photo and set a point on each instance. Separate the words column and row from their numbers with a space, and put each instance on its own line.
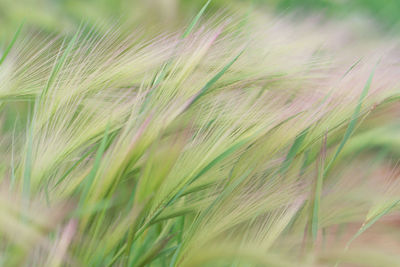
column 173, row 198
column 175, row 256
column 90, row 178
column 59, row 64
column 367, row 225
column 84, row 156
column 213, row 80
column 195, row 20
column 293, row 150
column 353, row 120
column 226, row 192
column 352, row 67
column 8, row 49
column 153, row 252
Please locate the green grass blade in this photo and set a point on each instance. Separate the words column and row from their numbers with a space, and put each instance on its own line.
column 60, row 62
column 368, row 224
column 352, row 67
column 28, row 158
column 217, row 159
column 28, row 165
column 90, row 178
column 116, row 256
column 156, row 81
column 195, row 20
column 175, row 256
column 179, row 193
column 213, row 80
column 10, row 46
column 353, row 120
column 317, row 191
column 225, row 193
column 12, row 182
column 92, row 209
column 84, row 156
column 293, row 150
column 152, row 253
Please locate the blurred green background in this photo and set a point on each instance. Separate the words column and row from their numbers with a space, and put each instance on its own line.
column 57, row 16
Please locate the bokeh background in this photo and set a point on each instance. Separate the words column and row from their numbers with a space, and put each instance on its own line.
column 55, row 16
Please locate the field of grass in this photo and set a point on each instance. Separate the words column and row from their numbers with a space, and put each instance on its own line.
column 199, row 133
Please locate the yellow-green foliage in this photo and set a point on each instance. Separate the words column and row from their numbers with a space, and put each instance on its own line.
column 252, row 142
